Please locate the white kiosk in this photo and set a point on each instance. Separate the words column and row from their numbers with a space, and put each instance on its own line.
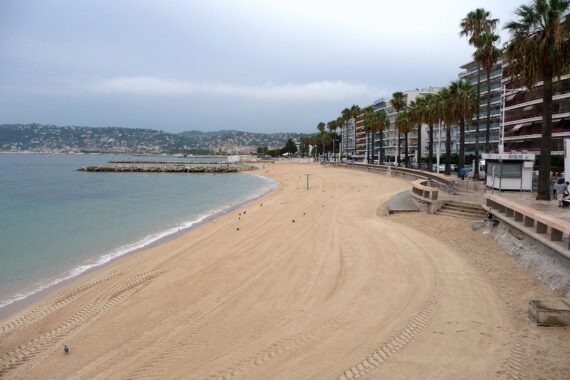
column 509, row 171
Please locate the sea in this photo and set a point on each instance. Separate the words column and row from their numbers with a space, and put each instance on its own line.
column 57, row 223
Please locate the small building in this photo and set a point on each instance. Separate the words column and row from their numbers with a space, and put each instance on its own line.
column 506, row 171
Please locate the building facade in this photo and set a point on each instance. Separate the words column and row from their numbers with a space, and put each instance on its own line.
column 348, row 138
column 390, row 135
column 523, row 116
column 469, row 73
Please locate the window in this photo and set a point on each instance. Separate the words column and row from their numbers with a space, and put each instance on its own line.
column 505, row 170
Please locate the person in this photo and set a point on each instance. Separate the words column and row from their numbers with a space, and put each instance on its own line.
column 66, row 349
column 462, row 173
column 558, row 191
column 564, row 194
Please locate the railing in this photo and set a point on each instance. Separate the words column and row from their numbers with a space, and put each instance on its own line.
column 531, row 218
column 436, row 178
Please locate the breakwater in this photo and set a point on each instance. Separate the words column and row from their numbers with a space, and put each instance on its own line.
column 165, row 168
column 139, row 162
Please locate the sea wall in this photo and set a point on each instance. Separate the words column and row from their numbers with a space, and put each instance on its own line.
column 547, row 265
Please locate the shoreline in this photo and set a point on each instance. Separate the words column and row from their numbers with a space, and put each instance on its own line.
column 36, row 297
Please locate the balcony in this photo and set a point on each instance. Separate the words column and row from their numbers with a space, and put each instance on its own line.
column 536, row 116
column 483, row 115
column 537, row 99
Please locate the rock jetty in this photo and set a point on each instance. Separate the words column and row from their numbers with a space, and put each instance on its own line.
column 165, row 168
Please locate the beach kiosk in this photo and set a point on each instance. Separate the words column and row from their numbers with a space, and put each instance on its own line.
column 509, row 171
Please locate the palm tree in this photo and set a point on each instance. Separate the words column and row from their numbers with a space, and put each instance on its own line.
column 383, row 123
column 446, row 114
column 473, row 26
column 462, row 104
column 539, row 49
column 369, row 128
column 343, row 119
column 487, row 55
column 321, row 127
column 404, row 125
column 431, row 117
column 418, row 115
column 332, row 126
column 398, row 102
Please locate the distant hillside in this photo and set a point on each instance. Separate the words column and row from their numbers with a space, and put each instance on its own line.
column 51, row 138
column 37, row 138
column 198, row 139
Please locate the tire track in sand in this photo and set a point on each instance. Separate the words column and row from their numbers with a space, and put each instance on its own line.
column 283, row 346
column 399, row 340
column 104, row 302
column 60, row 300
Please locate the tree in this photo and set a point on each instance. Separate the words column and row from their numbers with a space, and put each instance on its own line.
column 473, row 26
column 462, row 101
column 538, row 50
column 418, row 113
column 431, row 117
column 383, row 123
column 290, row 147
column 398, row 102
column 487, row 55
column 446, row 114
column 369, row 129
column 321, row 127
column 404, row 125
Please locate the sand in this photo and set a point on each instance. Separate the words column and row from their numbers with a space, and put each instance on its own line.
column 315, row 284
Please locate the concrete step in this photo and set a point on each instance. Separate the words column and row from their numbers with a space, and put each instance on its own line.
column 462, row 215
column 471, row 206
column 464, row 210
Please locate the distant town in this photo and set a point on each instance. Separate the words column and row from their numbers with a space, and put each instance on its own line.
column 36, row 138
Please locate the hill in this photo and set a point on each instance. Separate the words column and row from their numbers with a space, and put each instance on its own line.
column 51, row 138
column 232, row 138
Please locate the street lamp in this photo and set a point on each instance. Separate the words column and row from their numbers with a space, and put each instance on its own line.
column 333, row 141
column 502, row 130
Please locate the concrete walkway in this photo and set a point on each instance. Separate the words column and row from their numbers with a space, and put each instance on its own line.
column 402, row 202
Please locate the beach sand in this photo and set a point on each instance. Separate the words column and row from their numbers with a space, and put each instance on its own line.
column 301, row 284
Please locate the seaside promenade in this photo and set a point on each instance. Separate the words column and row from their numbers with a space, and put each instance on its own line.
column 301, row 284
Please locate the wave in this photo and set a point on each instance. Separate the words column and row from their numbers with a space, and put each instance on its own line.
column 139, row 244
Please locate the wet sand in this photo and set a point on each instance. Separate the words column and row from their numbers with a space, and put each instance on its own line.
column 298, row 285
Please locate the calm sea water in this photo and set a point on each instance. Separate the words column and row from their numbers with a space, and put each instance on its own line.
column 56, row 222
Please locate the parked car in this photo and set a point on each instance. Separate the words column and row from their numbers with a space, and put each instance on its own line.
column 442, row 168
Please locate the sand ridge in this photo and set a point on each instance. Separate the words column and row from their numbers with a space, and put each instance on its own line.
column 297, row 285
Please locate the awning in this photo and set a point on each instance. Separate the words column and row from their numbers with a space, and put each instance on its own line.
column 511, row 97
column 528, row 108
column 517, row 127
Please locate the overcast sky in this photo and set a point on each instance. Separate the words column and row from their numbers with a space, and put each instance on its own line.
column 256, row 65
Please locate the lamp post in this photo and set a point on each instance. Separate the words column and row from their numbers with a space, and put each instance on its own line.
column 333, row 141
column 438, row 145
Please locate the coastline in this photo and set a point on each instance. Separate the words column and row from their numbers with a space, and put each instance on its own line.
column 38, row 296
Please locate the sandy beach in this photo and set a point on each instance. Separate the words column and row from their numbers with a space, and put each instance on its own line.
column 301, row 284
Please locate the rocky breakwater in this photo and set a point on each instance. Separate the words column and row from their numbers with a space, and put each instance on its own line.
column 165, row 168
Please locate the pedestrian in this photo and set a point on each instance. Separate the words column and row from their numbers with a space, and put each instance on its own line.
column 563, row 193
column 557, row 190
column 66, row 349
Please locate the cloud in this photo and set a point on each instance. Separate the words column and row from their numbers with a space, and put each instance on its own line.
column 313, row 91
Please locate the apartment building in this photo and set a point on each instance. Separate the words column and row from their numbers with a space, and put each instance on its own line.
column 390, row 135
column 348, row 136
column 523, row 116
column 469, row 73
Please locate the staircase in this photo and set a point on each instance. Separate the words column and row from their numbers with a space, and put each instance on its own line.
column 463, row 210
